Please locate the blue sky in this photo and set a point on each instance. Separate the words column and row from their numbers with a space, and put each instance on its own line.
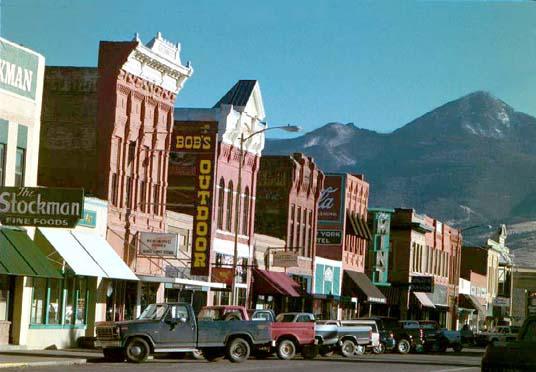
column 378, row 64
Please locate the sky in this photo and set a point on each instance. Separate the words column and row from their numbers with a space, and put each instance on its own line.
column 378, row 64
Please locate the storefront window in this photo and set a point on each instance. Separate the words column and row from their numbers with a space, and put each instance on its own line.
column 2, row 162
column 53, row 308
column 38, row 300
column 59, row 302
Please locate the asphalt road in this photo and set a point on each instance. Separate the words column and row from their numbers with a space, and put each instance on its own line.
column 466, row 361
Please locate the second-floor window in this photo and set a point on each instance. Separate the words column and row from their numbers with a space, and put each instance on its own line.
column 229, row 213
column 20, row 160
column 221, row 201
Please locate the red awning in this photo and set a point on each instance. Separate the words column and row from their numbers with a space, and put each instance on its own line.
column 275, row 283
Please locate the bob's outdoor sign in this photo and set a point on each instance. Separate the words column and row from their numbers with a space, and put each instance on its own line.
column 44, row 207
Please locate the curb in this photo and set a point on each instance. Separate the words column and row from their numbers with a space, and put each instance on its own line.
column 44, row 363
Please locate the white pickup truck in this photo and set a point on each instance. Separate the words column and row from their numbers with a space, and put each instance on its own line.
column 499, row 333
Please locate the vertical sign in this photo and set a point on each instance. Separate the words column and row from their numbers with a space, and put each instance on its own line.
column 18, row 69
column 330, row 202
column 191, row 184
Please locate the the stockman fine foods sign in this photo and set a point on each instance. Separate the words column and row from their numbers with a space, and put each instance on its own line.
column 18, row 69
column 44, row 207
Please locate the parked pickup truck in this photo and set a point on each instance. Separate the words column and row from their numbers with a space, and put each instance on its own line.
column 292, row 333
column 173, row 327
column 500, row 333
column 440, row 339
column 352, row 338
column 515, row 355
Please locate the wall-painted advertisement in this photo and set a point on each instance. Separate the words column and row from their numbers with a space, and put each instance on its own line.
column 191, row 184
column 330, row 204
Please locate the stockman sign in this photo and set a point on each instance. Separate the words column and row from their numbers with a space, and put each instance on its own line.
column 191, row 184
column 18, row 69
column 43, row 207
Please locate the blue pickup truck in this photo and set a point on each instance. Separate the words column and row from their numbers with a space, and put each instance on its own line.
column 173, row 327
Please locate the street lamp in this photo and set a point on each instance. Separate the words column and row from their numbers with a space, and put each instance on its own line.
column 287, row 128
column 476, row 227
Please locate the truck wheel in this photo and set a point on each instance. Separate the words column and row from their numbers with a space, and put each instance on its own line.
column 197, row 354
column 238, row 350
column 114, row 354
column 137, row 350
column 360, row 350
column 457, row 347
column 309, row 351
column 403, row 346
column 348, row 348
column 380, row 349
column 286, row 350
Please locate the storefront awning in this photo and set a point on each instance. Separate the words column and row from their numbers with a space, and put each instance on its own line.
column 275, row 283
column 104, row 255
column 20, row 256
column 424, row 299
column 86, row 254
column 360, row 280
column 182, row 281
column 72, row 252
column 471, row 302
column 359, row 226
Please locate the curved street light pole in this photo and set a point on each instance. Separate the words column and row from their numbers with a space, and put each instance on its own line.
column 287, row 128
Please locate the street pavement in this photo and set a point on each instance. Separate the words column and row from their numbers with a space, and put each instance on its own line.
column 465, row 361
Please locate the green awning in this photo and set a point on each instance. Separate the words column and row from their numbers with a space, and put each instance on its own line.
column 20, row 256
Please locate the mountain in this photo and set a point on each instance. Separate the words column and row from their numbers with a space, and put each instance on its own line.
column 470, row 161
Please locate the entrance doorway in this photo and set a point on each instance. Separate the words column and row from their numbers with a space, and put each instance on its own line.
column 7, row 290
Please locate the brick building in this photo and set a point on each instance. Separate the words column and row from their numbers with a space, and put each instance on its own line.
column 108, row 129
column 342, row 239
column 239, row 112
column 423, row 246
column 288, row 191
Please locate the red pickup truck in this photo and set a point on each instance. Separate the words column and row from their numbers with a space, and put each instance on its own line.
column 291, row 332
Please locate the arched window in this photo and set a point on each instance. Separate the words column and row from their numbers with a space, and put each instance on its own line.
column 221, row 200
column 245, row 215
column 229, row 213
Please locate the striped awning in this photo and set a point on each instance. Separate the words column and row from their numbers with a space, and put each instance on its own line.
column 359, row 226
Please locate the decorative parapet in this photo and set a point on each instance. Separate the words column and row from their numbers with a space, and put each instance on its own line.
column 159, row 62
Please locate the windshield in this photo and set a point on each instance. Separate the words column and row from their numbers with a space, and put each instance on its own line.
column 428, row 326
column 285, row 318
column 153, row 312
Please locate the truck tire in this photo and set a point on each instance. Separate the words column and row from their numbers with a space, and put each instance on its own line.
column 137, row 350
column 197, row 354
column 309, row 351
column 348, row 348
column 403, row 346
column 238, row 350
column 457, row 347
column 286, row 349
column 115, row 354
column 380, row 349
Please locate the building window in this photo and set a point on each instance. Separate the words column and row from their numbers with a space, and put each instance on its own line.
column 229, row 212
column 143, row 199
column 2, row 163
column 128, row 190
column 310, row 233
column 221, row 200
column 131, row 152
column 291, row 227
column 20, row 160
column 245, row 221
column 113, row 189
column 299, row 235
column 156, row 199
column 59, row 303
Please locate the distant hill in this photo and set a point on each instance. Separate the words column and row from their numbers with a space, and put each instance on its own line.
column 470, row 161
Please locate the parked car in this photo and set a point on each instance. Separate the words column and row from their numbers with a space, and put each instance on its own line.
column 375, row 344
column 440, row 339
column 514, row 355
column 173, row 327
column 386, row 328
column 499, row 333
column 410, row 337
column 292, row 333
column 353, row 339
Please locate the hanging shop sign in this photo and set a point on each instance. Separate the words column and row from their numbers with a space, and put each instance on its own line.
column 422, row 284
column 89, row 219
column 222, row 275
column 329, row 237
column 158, row 244
column 41, row 206
column 501, row 302
column 285, row 259
column 18, row 70
column 191, row 184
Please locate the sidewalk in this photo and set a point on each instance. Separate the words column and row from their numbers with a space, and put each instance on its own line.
column 35, row 358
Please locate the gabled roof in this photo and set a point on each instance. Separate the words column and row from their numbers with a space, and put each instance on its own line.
column 239, row 94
